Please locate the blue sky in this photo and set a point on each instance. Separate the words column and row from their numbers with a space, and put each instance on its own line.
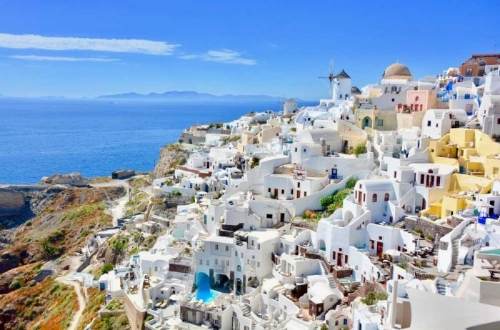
column 253, row 47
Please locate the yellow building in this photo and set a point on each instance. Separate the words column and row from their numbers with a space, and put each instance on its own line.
column 382, row 120
column 476, row 157
column 472, row 151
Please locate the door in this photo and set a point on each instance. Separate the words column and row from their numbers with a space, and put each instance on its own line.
column 282, row 217
column 275, row 193
column 380, row 248
column 298, row 193
column 339, row 259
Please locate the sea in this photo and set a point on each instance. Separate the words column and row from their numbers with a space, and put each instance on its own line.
column 41, row 137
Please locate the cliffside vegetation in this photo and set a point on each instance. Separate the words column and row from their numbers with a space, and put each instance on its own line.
column 171, row 156
column 47, row 305
column 334, row 201
column 38, row 250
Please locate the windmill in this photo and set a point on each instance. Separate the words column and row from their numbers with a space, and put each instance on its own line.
column 330, row 77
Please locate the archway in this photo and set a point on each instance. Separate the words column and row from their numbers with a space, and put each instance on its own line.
column 222, row 283
column 322, row 245
column 420, row 203
column 366, row 122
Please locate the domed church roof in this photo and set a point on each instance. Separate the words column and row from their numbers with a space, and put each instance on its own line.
column 397, row 71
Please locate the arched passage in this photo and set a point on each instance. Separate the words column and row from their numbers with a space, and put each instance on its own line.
column 366, row 122
column 322, row 245
column 222, row 283
column 420, row 202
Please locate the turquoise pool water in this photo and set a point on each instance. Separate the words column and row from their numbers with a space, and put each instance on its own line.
column 495, row 252
column 203, row 291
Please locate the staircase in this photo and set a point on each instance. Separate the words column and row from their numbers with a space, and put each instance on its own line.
column 245, row 309
column 454, row 255
column 331, row 282
column 441, row 287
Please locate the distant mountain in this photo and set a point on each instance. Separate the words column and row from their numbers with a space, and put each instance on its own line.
column 189, row 96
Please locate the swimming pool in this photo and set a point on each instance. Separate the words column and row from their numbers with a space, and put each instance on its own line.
column 203, row 291
column 494, row 252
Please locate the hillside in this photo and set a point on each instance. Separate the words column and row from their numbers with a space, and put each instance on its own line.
column 42, row 246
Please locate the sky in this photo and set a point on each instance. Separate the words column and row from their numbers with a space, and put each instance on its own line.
column 86, row 48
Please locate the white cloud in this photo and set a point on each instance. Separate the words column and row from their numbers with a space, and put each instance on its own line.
column 138, row 46
column 62, row 58
column 221, row 56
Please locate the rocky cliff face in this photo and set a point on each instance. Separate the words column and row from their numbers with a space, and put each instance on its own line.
column 171, row 156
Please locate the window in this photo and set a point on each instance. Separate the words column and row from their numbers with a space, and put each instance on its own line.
column 380, row 122
column 298, row 184
column 364, row 197
column 227, row 248
column 269, row 216
column 498, row 121
column 217, row 246
column 258, row 246
column 295, row 149
column 282, row 191
column 395, row 174
column 416, row 98
column 386, row 197
column 269, row 190
column 429, row 123
column 374, row 198
column 422, row 179
column 438, row 181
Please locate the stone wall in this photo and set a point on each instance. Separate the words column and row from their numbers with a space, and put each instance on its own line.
column 427, row 227
column 11, row 202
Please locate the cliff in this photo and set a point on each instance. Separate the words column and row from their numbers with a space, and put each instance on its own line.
column 171, row 156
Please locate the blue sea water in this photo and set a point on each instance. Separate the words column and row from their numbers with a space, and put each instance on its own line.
column 43, row 137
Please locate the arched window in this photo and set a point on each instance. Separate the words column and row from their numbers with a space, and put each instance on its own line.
column 374, row 198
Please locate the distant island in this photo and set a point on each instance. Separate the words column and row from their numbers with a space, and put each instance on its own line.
column 191, row 96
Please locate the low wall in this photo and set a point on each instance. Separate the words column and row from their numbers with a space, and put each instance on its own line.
column 425, row 226
column 11, row 202
column 135, row 316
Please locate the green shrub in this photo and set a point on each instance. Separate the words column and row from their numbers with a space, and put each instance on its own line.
column 372, row 297
column 351, row 183
column 49, row 250
column 119, row 244
column 106, row 268
column 16, row 283
column 360, row 149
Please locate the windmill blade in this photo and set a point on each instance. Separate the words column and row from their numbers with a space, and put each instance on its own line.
column 330, row 66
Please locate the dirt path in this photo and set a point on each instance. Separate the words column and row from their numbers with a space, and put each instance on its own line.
column 81, row 301
column 117, row 210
